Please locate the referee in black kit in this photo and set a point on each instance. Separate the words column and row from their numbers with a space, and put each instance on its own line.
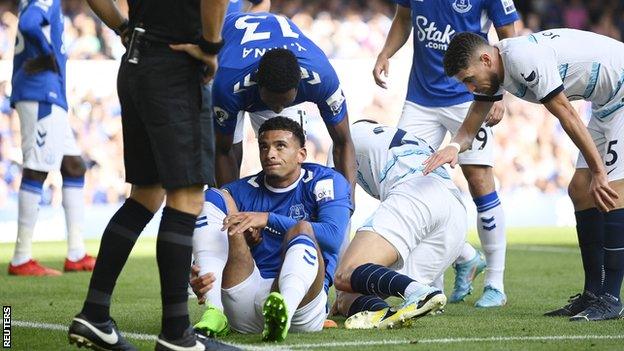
column 165, row 153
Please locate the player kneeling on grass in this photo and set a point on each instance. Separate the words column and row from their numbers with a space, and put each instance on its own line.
column 419, row 216
column 271, row 241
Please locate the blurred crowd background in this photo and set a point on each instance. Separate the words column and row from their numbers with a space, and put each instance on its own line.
column 533, row 153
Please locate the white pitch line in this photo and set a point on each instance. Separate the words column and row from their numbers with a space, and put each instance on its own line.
column 140, row 336
column 135, row 336
column 451, row 340
column 537, row 248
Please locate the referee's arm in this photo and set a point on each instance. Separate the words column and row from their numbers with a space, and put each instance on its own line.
column 212, row 14
column 108, row 12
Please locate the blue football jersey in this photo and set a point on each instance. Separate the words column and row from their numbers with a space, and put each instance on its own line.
column 319, row 193
column 435, row 22
column 39, row 32
column 247, row 37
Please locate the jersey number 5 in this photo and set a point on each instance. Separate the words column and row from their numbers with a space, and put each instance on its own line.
column 251, row 28
column 611, row 152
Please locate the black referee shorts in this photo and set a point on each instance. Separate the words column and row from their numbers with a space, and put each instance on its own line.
column 165, row 137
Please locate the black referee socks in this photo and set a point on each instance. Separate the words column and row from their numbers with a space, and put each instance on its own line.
column 117, row 241
column 173, row 253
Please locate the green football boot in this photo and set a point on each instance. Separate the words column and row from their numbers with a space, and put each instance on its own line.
column 213, row 323
column 275, row 318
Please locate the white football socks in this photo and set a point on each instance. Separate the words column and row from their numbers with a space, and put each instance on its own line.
column 28, row 207
column 210, row 249
column 299, row 271
column 467, row 253
column 73, row 204
column 491, row 228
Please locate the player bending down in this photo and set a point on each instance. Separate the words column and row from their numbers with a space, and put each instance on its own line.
column 548, row 68
column 421, row 217
column 275, row 236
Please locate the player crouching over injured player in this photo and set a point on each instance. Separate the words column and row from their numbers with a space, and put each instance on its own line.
column 421, row 222
column 271, row 241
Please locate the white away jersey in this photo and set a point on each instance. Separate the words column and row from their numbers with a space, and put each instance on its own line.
column 584, row 65
column 387, row 156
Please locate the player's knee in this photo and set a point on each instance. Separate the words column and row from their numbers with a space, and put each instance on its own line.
column 480, row 178
column 342, row 278
column 73, row 166
column 302, row 227
column 34, row 175
column 189, row 199
column 151, row 197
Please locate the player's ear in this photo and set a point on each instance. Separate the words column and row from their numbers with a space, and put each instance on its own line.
column 486, row 59
column 302, row 155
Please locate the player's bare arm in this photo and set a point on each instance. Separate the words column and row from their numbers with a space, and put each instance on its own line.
column 506, row 31
column 462, row 140
column 344, row 151
column 604, row 196
column 226, row 167
column 397, row 36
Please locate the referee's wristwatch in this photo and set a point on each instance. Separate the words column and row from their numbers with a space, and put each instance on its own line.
column 210, row 48
column 122, row 28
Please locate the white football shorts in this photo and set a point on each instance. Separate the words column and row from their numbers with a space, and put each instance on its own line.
column 242, row 304
column 432, row 123
column 425, row 223
column 46, row 135
column 606, row 135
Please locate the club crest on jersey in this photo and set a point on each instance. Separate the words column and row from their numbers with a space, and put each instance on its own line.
column 297, row 212
column 462, row 6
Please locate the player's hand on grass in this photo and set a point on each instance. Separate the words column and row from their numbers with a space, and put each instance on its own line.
column 209, row 60
column 448, row 155
column 604, row 196
column 496, row 114
column 201, row 284
column 382, row 66
column 239, row 223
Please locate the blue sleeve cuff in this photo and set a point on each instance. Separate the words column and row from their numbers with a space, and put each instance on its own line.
column 280, row 223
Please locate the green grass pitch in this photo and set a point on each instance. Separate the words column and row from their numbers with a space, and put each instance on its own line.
column 543, row 269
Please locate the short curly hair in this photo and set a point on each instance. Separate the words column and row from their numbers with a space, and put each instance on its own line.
column 460, row 51
column 278, row 71
column 286, row 124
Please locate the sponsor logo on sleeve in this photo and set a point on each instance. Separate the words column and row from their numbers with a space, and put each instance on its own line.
column 221, row 115
column 335, row 101
column 508, row 6
column 532, row 78
column 324, row 190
